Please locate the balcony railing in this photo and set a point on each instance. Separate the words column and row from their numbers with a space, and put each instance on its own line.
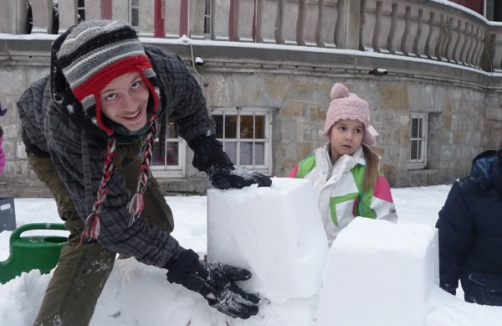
column 426, row 29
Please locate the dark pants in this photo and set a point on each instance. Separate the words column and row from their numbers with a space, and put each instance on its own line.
column 83, row 270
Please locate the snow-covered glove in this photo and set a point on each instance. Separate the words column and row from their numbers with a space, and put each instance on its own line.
column 216, row 283
column 210, row 158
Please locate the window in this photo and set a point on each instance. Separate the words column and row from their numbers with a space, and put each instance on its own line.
column 418, row 141
column 134, row 5
column 246, row 134
column 81, row 10
column 207, row 18
column 168, row 159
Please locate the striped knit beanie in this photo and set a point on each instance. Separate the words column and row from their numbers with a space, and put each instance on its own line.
column 93, row 54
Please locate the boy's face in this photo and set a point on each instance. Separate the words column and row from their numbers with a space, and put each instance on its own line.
column 345, row 137
column 125, row 99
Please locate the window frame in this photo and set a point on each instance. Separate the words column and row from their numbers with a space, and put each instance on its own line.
column 172, row 171
column 131, row 8
column 419, row 163
column 81, row 9
column 267, row 113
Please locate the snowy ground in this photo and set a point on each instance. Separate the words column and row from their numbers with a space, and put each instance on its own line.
column 139, row 295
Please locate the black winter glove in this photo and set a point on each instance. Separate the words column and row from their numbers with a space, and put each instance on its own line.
column 215, row 282
column 210, row 157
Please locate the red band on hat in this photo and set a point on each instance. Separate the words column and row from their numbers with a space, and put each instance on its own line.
column 97, row 82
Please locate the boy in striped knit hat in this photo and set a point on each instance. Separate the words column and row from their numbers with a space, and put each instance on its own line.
column 89, row 131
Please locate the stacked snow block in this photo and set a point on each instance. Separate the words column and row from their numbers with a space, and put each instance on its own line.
column 275, row 232
column 379, row 273
column 7, row 214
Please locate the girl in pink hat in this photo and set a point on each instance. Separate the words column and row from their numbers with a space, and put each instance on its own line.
column 345, row 172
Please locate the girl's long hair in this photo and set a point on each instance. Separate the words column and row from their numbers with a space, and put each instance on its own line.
column 372, row 165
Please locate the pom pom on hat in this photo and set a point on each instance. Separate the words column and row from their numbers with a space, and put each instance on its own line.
column 339, row 90
column 346, row 105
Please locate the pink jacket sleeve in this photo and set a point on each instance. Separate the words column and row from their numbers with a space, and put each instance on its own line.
column 2, row 156
column 293, row 172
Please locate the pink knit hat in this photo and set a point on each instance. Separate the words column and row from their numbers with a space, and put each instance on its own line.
column 347, row 105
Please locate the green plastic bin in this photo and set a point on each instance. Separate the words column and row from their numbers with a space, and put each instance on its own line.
column 32, row 252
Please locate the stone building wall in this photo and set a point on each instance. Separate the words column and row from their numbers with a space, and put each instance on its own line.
column 463, row 105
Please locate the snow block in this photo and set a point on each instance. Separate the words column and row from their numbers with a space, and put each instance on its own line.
column 379, row 273
column 274, row 232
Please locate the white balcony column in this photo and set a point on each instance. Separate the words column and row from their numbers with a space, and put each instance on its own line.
column 289, row 22
column 196, row 15
column 478, row 52
column 244, row 20
column 368, row 24
column 398, row 28
column 266, row 20
column 147, row 18
column 93, row 9
column 121, row 10
column 221, row 20
column 382, row 27
column 422, row 33
column 434, row 23
column 172, row 10
column 455, row 40
column 476, row 35
column 42, row 16
column 329, row 26
column 444, row 34
column 13, row 16
column 412, row 31
column 309, row 18
column 67, row 14
column 469, row 40
column 496, row 51
column 352, row 24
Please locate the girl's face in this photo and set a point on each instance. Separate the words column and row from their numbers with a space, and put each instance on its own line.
column 125, row 100
column 345, row 136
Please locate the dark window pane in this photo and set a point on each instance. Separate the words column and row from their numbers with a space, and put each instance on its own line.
column 247, row 126
column 172, row 131
column 420, row 128
column 414, row 145
column 81, row 15
column 166, row 153
column 414, row 128
column 228, row 128
column 218, row 121
column 169, row 156
column 207, row 17
column 231, row 126
column 259, row 154
column 230, row 149
column 172, row 153
column 246, row 153
column 158, row 158
column 419, row 150
column 259, row 132
column 135, row 17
